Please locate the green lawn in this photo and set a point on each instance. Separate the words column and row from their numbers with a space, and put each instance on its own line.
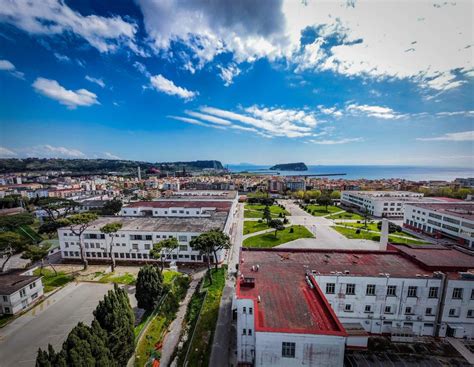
column 373, row 227
column 252, row 226
column 154, row 335
column 51, row 281
column 346, row 215
column 351, row 233
column 200, row 349
column 256, row 211
column 126, row 278
column 319, row 210
column 269, row 240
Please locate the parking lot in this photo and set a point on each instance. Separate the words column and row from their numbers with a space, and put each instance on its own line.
column 49, row 323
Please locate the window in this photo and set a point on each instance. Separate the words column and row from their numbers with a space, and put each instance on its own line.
column 135, row 246
column 5, row 299
column 148, row 237
column 244, row 331
column 452, row 312
column 183, row 248
column 244, row 309
column 34, row 295
column 368, row 308
column 250, row 311
column 457, row 293
column 392, row 290
column 408, row 311
column 370, row 290
column 330, row 288
column 388, row 309
column 433, row 293
column 288, row 350
column 22, row 293
column 183, row 238
column 250, row 331
column 350, row 289
column 429, row 311
column 470, row 313
column 147, row 246
column 32, row 285
column 412, row 291
column 348, row 307
column 472, row 294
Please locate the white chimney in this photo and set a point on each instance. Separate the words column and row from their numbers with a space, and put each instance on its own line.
column 384, row 235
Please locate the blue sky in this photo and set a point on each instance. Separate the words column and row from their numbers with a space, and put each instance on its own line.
column 351, row 82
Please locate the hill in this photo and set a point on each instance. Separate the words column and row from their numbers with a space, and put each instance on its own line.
column 99, row 165
column 300, row 166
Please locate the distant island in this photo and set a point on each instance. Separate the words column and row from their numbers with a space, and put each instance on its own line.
column 83, row 166
column 300, row 166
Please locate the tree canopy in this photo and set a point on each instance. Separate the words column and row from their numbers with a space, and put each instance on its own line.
column 149, row 287
column 209, row 243
column 163, row 249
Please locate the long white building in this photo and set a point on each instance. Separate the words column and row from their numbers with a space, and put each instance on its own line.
column 311, row 301
column 452, row 220
column 389, row 204
column 135, row 239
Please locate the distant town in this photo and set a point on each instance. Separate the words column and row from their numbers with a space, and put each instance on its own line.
column 237, row 269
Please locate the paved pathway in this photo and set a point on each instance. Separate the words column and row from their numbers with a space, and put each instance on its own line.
column 171, row 340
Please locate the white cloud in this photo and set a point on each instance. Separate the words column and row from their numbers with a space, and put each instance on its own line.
column 195, row 122
column 228, row 73
column 333, row 111
column 208, row 118
column 97, row 81
column 50, row 151
column 111, row 155
column 52, row 17
column 6, row 153
column 62, row 58
column 460, row 136
column 374, row 111
column 161, row 84
column 455, row 113
column 336, row 141
column 71, row 99
column 6, row 65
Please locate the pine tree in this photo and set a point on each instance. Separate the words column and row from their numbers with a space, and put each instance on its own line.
column 149, row 287
column 116, row 317
column 42, row 359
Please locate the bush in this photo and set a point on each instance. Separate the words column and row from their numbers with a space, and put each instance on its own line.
column 285, row 220
column 357, row 231
column 291, row 230
column 376, row 238
column 260, row 221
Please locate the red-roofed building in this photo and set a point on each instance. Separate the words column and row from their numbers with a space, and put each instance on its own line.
column 292, row 305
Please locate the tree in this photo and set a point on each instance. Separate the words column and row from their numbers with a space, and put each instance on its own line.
column 211, row 242
column 110, row 229
column 267, row 215
column 78, row 224
column 365, row 214
column 116, row 317
column 57, row 208
column 313, row 194
column 111, row 207
column 277, row 225
column 335, row 195
column 149, row 287
column 324, row 200
column 12, row 222
column 36, row 253
column 49, row 227
column 10, row 244
column 50, row 358
column 163, row 249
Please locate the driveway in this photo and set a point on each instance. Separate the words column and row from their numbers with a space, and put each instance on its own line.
column 49, row 323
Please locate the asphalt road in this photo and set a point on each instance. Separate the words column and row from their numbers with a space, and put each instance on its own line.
column 49, row 323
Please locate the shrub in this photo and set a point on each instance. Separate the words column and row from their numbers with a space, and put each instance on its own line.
column 358, row 231
column 292, row 230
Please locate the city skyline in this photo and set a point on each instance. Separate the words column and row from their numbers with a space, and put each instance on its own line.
column 336, row 83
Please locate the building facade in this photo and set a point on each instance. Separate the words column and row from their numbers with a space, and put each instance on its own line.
column 18, row 291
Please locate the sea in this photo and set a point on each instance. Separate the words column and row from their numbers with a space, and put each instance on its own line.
column 412, row 173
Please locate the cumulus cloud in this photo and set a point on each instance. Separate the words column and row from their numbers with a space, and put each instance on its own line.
column 228, row 73
column 97, row 81
column 7, row 66
column 336, row 141
column 52, row 89
column 6, row 153
column 332, row 111
column 52, row 17
column 374, row 111
column 161, row 84
column 50, row 151
column 111, row 155
column 460, row 136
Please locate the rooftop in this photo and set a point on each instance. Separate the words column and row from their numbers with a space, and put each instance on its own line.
column 219, row 205
column 13, row 282
column 464, row 210
column 201, row 194
column 164, row 224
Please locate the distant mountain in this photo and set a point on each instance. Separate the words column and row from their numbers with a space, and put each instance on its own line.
column 99, row 165
column 300, row 166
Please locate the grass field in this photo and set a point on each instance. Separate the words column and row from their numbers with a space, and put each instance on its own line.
column 373, row 227
column 126, row 278
column 269, row 240
column 252, row 226
column 351, row 233
column 347, row 216
column 51, row 281
column 200, row 350
column 319, row 210
column 256, row 211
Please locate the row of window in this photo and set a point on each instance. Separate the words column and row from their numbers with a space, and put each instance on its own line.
column 126, row 255
column 137, row 237
column 371, row 288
